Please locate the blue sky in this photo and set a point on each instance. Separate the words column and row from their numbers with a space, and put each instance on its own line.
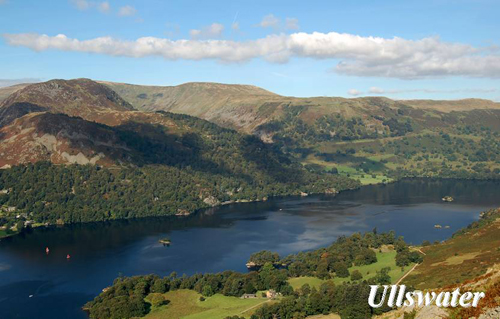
column 439, row 49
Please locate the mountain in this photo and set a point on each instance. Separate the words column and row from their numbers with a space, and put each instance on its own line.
column 372, row 139
column 81, row 97
column 131, row 163
column 233, row 106
column 5, row 92
column 246, row 107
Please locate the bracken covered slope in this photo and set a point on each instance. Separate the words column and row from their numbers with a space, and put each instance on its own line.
column 80, row 97
column 246, row 107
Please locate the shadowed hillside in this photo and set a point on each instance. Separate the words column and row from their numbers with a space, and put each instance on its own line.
column 131, row 163
column 372, row 139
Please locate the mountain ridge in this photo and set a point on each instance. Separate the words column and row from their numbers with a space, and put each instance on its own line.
column 256, row 106
column 374, row 135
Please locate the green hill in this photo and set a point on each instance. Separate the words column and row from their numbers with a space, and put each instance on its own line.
column 372, row 139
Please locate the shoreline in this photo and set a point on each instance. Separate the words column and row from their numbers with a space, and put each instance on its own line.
column 245, row 201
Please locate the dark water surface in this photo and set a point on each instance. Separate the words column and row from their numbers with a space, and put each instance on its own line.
column 219, row 239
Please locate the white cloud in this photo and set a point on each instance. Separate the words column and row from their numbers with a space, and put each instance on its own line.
column 81, row 4
column 10, row 82
column 269, row 21
column 355, row 55
column 127, row 11
column 292, row 24
column 104, row 7
column 212, row 31
column 354, row 92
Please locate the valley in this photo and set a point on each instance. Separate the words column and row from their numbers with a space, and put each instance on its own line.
column 79, row 154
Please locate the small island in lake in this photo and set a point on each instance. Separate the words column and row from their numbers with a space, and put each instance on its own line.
column 447, row 199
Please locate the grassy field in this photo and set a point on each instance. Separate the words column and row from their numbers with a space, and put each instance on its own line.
column 384, row 259
column 300, row 281
column 347, row 170
column 187, row 304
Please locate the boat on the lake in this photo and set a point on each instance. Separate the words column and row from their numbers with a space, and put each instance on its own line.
column 165, row 241
column 447, row 199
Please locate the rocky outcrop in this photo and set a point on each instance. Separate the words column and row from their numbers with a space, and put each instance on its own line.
column 211, row 200
column 60, row 139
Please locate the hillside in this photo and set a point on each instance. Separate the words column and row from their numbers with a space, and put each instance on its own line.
column 233, row 106
column 311, row 146
column 81, row 97
column 5, row 92
column 59, row 139
column 165, row 163
column 245, row 107
column 471, row 253
column 371, row 138
column 470, row 260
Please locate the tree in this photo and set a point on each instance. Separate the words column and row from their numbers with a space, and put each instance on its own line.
column 356, row 275
column 207, row 291
column 365, row 257
column 249, row 288
column 402, row 259
column 305, row 289
column 322, row 270
column 382, row 277
column 340, row 270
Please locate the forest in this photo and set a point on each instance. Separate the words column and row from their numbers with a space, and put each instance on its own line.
column 48, row 193
column 170, row 171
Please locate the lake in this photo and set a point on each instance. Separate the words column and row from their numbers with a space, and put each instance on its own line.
column 34, row 284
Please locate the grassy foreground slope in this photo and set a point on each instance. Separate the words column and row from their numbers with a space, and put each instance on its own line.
column 470, row 253
column 470, row 261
